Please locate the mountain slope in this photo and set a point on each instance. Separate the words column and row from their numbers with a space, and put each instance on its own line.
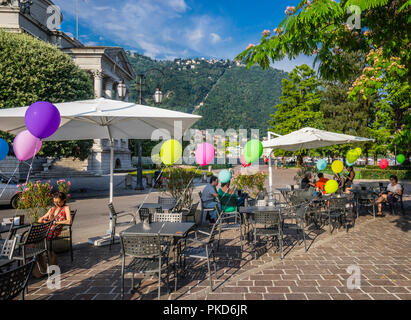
column 225, row 93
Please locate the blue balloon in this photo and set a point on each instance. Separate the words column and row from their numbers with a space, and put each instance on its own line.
column 321, row 164
column 4, row 149
column 224, row 176
column 348, row 163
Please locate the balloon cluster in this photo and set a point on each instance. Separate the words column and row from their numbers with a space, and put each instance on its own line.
column 42, row 120
column 337, row 166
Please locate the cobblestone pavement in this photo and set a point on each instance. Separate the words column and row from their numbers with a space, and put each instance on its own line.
column 380, row 247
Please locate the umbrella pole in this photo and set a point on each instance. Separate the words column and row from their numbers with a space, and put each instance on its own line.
column 270, row 181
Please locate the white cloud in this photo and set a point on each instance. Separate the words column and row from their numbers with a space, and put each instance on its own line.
column 215, row 38
column 159, row 28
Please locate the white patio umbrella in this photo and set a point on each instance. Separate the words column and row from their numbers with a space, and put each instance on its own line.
column 105, row 119
column 307, row 138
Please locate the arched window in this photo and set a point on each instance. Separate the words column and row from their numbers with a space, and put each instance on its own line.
column 118, row 164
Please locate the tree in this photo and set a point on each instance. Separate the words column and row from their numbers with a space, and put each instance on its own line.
column 32, row 70
column 345, row 115
column 300, row 103
column 321, row 28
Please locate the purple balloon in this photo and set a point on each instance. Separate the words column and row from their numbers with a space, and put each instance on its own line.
column 42, row 119
column 26, row 146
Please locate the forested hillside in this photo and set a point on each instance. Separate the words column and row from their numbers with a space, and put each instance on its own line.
column 225, row 93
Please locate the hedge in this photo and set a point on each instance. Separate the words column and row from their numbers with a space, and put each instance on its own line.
column 383, row 174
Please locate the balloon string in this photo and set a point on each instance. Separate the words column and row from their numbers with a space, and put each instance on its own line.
column 8, row 182
column 152, row 187
column 32, row 161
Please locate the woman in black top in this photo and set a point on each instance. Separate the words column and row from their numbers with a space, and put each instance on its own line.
column 349, row 178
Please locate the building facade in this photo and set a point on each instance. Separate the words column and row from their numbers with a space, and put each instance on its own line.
column 107, row 67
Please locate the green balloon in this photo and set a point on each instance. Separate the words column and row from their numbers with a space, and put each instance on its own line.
column 400, row 158
column 352, row 156
column 252, row 151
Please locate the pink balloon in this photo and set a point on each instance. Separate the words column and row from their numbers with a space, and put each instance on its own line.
column 383, row 164
column 205, row 154
column 243, row 162
column 26, row 146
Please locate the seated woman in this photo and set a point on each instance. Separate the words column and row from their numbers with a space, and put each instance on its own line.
column 393, row 194
column 228, row 198
column 306, row 181
column 60, row 214
column 349, row 179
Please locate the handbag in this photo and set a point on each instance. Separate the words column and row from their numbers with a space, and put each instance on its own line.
column 40, row 267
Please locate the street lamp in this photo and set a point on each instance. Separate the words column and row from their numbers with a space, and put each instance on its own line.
column 121, row 90
column 138, row 149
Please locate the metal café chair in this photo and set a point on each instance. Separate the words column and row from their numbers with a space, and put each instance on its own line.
column 168, row 201
column 114, row 224
column 191, row 212
column 202, row 247
column 268, row 224
column 168, row 217
column 296, row 214
column 229, row 221
column 365, row 199
column 204, row 211
column 13, row 282
column 148, row 255
column 337, row 212
column 7, row 250
column 68, row 227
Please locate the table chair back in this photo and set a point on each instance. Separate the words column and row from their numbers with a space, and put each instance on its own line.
column 13, row 282
column 140, row 246
column 168, row 217
column 37, row 233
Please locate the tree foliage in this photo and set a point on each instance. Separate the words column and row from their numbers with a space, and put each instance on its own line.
column 30, row 71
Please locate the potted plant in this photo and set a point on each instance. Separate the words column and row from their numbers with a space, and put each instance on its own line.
column 36, row 197
column 179, row 184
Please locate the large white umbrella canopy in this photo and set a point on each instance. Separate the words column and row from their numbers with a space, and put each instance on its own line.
column 307, row 138
column 106, row 119
column 311, row 138
column 103, row 119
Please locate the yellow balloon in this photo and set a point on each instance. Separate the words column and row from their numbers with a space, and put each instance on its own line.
column 337, row 166
column 358, row 151
column 331, row 186
column 171, row 151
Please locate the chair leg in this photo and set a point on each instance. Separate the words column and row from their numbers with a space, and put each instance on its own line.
column 303, row 232
column 209, row 273
column 122, row 283
column 159, row 284
column 71, row 248
column 280, row 241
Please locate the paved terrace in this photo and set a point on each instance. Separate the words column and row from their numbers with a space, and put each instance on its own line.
column 380, row 247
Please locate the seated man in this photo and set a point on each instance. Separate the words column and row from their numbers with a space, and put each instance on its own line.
column 393, row 194
column 321, row 183
column 306, row 181
column 209, row 198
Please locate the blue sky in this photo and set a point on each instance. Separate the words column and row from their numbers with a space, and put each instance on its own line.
column 167, row 29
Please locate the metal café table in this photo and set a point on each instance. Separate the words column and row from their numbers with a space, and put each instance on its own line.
column 12, row 230
column 164, row 229
column 153, row 206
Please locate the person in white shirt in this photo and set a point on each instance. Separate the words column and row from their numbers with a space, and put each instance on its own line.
column 393, row 193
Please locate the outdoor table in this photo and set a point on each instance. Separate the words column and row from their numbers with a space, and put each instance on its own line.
column 5, row 262
column 13, row 230
column 284, row 192
column 153, row 206
column 164, row 229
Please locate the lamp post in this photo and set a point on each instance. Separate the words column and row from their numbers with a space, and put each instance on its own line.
column 138, row 148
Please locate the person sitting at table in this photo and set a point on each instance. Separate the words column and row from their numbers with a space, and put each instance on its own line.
column 209, row 198
column 228, row 198
column 349, row 178
column 391, row 195
column 59, row 214
column 306, row 181
column 321, row 183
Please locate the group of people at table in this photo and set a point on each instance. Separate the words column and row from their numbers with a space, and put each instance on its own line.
column 233, row 199
column 392, row 193
column 229, row 198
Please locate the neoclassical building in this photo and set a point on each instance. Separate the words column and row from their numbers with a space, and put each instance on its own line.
column 107, row 66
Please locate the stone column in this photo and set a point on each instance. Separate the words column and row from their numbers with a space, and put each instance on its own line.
column 98, row 83
column 108, row 89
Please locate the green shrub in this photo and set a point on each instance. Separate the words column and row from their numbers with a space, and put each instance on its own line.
column 383, row 174
column 32, row 70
